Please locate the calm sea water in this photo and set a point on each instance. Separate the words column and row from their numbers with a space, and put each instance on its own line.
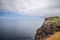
column 12, row 29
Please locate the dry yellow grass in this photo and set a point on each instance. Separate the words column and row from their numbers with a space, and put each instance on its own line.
column 55, row 36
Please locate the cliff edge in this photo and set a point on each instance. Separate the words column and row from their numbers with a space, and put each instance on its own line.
column 50, row 26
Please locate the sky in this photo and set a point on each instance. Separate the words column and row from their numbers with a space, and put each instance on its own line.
column 31, row 7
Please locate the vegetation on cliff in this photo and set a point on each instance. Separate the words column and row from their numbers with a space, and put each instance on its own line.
column 55, row 36
column 49, row 28
column 54, row 20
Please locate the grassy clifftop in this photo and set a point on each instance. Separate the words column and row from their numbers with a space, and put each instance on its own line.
column 50, row 29
column 55, row 36
column 54, row 20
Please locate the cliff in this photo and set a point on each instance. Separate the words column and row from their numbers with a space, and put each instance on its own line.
column 48, row 28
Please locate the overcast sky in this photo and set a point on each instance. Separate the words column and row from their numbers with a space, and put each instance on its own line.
column 31, row 7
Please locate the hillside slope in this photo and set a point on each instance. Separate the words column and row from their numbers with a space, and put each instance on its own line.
column 55, row 36
column 48, row 28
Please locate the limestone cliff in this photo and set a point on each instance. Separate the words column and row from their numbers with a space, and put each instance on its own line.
column 49, row 27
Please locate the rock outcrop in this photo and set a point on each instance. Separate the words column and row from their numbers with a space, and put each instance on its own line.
column 49, row 27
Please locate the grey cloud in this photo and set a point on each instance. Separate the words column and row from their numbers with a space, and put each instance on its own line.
column 54, row 4
column 32, row 7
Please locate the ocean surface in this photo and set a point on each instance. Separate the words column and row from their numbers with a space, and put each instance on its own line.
column 22, row 28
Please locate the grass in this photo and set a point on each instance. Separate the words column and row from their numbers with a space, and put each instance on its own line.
column 54, row 20
column 55, row 36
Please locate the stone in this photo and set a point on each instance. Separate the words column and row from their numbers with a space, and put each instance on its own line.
column 49, row 27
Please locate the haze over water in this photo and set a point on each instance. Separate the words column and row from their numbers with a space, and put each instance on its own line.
column 18, row 27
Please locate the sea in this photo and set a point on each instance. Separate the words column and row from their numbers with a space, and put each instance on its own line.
column 19, row 28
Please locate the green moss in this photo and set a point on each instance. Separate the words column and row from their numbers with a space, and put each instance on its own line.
column 54, row 20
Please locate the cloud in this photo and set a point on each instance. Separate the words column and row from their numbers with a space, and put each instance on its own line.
column 31, row 7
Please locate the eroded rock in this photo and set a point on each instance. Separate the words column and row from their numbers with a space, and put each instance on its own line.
column 49, row 27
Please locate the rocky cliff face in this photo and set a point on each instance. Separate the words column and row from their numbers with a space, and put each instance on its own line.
column 49, row 27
